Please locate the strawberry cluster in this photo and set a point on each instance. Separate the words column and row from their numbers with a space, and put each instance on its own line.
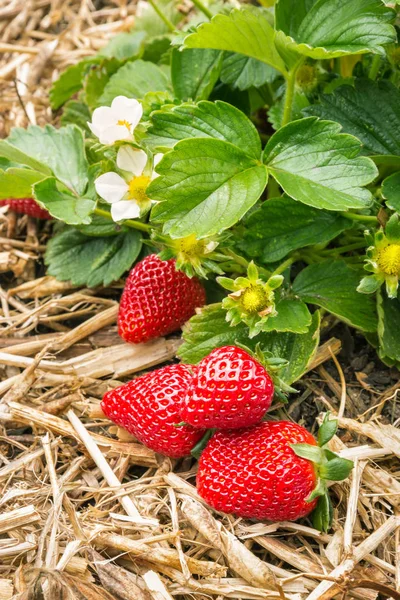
column 253, row 468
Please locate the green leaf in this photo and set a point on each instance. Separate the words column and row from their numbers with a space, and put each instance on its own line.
column 209, row 330
column 17, row 183
column 204, row 120
column 134, row 80
column 391, row 191
column 146, row 18
column 317, row 165
column 336, row 469
column 61, row 203
column 327, row 430
column 389, row 325
column 195, row 72
column 312, row 453
column 245, row 31
column 92, row 261
column 293, row 315
column 62, row 150
column 333, row 286
column 70, row 82
column 205, row 186
column 156, row 49
column 275, row 113
column 297, row 349
column 97, row 78
column 76, row 113
column 243, row 72
column 124, row 45
column 10, row 153
column 329, row 28
column 269, row 235
column 355, row 108
column 101, row 227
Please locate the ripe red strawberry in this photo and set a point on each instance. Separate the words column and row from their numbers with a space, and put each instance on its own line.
column 26, row 206
column 148, row 408
column 231, row 389
column 157, row 300
column 255, row 473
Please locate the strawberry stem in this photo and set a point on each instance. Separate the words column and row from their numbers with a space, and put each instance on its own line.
column 129, row 222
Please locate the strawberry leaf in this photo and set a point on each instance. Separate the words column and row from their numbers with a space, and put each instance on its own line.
column 269, row 235
column 391, row 191
column 17, row 183
column 218, row 120
column 355, row 109
column 61, row 150
column 323, row 170
column 195, row 72
column 205, row 186
column 246, row 31
column 243, row 72
column 329, row 28
column 61, row 203
column 333, row 286
column 92, row 261
column 134, row 80
column 293, row 315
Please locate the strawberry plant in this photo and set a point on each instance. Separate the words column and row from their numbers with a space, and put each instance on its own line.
column 255, row 147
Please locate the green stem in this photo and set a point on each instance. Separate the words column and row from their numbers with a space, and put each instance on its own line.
column 202, row 8
column 289, row 95
column 162, row 16
column 287, row 263
column 376, row 63
column 133, row 224
column 357, row 217
column 242, row 261
column 348, row 248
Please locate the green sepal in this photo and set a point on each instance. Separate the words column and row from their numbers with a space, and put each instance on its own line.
column 392, row 284
column 323, row 514
column 312, row 453
column 370, row 284
column 327, row 430
column 336, row 469
column 201, row 444
column 226, row 283
column 319, row 490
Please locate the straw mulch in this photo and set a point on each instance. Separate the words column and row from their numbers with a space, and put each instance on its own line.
column 86, row 512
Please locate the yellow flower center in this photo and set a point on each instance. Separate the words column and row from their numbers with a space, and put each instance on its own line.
column 254, row 299
column 124, row 123
column 389, row 259
column 137, row 189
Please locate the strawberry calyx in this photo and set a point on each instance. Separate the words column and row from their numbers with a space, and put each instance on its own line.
column 193, row 256
column 328, row 466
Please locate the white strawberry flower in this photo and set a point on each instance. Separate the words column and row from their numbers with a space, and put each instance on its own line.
column 116, row 122
column 127, row 195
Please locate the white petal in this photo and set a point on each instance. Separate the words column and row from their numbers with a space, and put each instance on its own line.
column 127, row 109
column 111, row 187
column 114, row 134
column 126, row 209
column 129, row 159
column 95, row 129
column 156, row 160
column 103, row 117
